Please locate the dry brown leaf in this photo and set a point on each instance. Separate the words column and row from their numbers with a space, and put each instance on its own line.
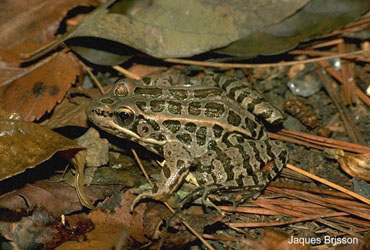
column 56, row 197
column 24, row 145
column 142, row 70
column 27, row 25
column 72, row 111
column 354, row 165
column 109, row 226
column 4, row 115
column 29, row 232
column 38, row 91
column 9, row 68
column 146, row 223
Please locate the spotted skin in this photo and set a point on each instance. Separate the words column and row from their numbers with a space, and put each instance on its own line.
column 214, row 126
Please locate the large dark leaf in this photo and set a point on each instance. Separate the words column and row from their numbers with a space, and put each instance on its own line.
column 175, row 28
column 316, row 17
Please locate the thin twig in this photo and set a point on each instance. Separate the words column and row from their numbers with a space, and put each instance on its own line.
column 339, row 228
column 248, row 210
column 339, row 78
column 263, row 65
column 310, row 189
column 95, row 80
column 126, row 73
column 280, row 223
column 142, row 167
column 324, row 44
column 318, row 142
column 328, row 53
column 347, row 76
column 351, row 128
column 190, row 228
column 327, row 203
column 328, row 183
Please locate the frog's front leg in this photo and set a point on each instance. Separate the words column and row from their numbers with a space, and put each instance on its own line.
column 175, row 169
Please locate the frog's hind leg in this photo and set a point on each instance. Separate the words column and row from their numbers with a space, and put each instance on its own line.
column 279, row 152
column 269, row 159
column 249, row 99
column 202, row 193
column 175, row 169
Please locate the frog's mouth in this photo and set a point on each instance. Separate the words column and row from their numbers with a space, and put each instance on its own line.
column 103, row 117
column 128, row 134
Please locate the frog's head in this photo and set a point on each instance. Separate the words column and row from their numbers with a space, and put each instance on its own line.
column 119, row 114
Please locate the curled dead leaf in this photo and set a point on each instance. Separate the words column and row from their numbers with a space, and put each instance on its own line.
column 26, row 27
column 24, row 145
column 356, row 165
column 44, row 85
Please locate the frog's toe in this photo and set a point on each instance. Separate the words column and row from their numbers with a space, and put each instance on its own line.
column 138, row 199
column 148, row 195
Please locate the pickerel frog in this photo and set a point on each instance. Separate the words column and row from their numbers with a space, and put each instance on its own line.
column 213, row 128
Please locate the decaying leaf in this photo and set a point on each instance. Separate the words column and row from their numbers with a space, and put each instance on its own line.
column 30, row 232
column 146, row 223
column 9, row 68
column 354, row 165
column 177, row 235
column 56, row 197
column 175, row 28
column 317, row 17
column 72, row 111
column 142, row 70
column 109, row 225
column 97, row 148
column 25, row 26
column 38, row 91
column 24, row 145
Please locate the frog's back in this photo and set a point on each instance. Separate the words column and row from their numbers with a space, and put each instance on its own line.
column 218, row 114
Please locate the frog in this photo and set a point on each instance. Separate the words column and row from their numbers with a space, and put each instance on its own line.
column 213, row 129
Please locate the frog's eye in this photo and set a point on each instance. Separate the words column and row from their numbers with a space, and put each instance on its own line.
column 124, row 116
column 121, row 89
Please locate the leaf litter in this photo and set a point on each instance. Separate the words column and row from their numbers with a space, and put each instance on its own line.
column 169, row 28
column 25, row 145
column 116, row 226
column 25, row 27
column 40, row 89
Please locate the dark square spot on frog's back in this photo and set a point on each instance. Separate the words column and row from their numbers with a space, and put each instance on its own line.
column 54, row 90
column 38, row 89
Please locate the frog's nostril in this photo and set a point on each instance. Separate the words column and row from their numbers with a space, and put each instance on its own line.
column 107, row 101
column 101, row 112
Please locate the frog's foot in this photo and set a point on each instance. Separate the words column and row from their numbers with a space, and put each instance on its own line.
column 171, row 199
column 138, row 199
column 147, row 195
column 161, row 163
column 208, row 203
column 201, row 193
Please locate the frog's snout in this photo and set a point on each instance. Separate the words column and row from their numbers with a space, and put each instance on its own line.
column 99, row 109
